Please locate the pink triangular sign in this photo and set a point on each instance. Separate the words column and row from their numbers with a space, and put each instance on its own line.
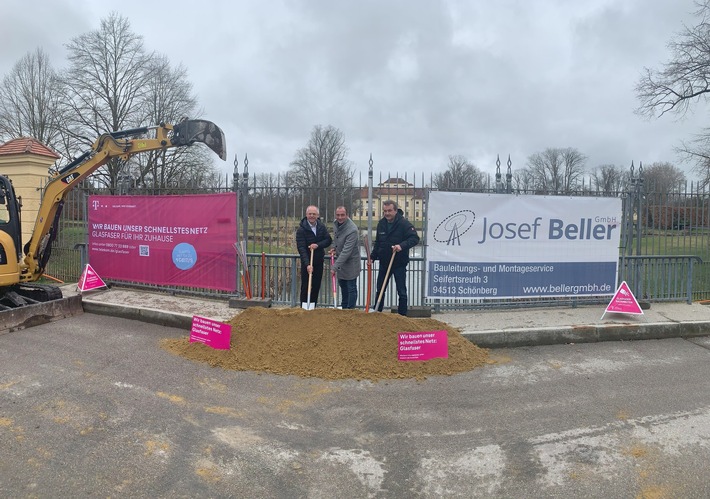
column 90, row 280
column 624, row 301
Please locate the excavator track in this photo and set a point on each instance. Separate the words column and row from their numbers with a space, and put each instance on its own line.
column 22, row 295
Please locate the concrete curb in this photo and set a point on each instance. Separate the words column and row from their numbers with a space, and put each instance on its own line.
column 587, row 334
column 41, row 313
column 495, row 338
column 152, row 316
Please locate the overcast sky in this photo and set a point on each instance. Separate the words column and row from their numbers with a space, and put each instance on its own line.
column 410, row 81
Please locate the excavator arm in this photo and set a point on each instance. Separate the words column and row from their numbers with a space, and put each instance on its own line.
column 121, row 144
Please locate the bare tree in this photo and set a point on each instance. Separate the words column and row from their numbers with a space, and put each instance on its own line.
column 609, row 179
column 573, row 168
column 107, row 83
column 523, row 180
column 113, row 83
column 697, row 151
column 683, row 79
column 663, row 178
column 681, row 82
column 556, row 170
column 269, row 193
column 30, row 97
column 323, row 171
column 268, row 182
column 168, row 98
column 460, row 174
column 545, row 171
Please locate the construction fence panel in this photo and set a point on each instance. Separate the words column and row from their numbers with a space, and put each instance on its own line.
column 655, row 224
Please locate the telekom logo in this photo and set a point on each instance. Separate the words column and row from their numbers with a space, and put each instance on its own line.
column 95, row 204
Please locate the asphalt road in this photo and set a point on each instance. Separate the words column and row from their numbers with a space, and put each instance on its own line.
column 91, row 406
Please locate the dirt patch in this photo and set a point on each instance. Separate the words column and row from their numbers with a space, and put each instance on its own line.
column 329, row 344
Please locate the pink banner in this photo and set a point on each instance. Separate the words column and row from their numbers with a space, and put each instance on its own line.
column 624, row 301
column 166, row 240
column 89, row 280
column 423, row 345
column 212, row 333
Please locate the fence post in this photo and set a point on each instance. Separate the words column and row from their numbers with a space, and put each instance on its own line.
column 422, row 242
column 509, row 177
column 245, row 200
column 499, row 183
column 689, row 299
column 637, row 190
column 369, row 201
column 235, row 189
column 294, row 278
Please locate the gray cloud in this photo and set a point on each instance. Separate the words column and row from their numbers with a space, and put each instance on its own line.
column 409, row 81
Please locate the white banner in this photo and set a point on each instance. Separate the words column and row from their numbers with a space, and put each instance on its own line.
column 507, row 246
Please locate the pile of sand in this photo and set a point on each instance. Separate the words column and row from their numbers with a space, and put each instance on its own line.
column 329, row 344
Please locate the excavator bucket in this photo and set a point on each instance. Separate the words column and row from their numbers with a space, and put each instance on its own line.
column 190, row 131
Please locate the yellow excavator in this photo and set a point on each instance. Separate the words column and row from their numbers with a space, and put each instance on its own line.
column 21, row 266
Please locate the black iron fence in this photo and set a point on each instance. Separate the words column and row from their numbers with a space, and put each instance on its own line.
column 664, row 252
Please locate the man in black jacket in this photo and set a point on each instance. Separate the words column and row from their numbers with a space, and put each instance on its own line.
column 394, row 233
column 312, row 234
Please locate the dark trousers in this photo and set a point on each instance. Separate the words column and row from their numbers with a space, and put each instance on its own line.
column 315, row 283
column 400, row 279
column 348, row 292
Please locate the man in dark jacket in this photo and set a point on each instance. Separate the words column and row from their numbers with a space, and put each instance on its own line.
column 312, row 234
column 394, row 233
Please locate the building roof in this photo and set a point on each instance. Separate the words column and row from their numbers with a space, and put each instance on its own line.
column 393, row 192
column 26, row 145
column 394, row 180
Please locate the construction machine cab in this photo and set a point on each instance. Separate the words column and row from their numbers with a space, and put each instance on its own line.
column 10, row 214
column 10, row 232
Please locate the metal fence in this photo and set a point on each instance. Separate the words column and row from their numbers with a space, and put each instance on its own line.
column 664, row 251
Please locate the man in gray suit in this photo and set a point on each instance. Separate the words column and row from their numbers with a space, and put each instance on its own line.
column 346, row 249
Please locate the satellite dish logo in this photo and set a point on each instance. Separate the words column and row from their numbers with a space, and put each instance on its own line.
column 454, row 226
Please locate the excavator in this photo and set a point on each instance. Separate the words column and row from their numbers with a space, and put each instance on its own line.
column 21, row 266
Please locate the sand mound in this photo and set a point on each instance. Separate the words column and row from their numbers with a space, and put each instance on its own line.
column 329, row 344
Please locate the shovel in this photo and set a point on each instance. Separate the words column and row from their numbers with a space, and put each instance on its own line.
column 369, row 276
column 385, row 282
column 335, row 288
column 308, row 305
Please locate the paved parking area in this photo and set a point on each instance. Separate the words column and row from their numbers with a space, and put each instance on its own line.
column 91, row 406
